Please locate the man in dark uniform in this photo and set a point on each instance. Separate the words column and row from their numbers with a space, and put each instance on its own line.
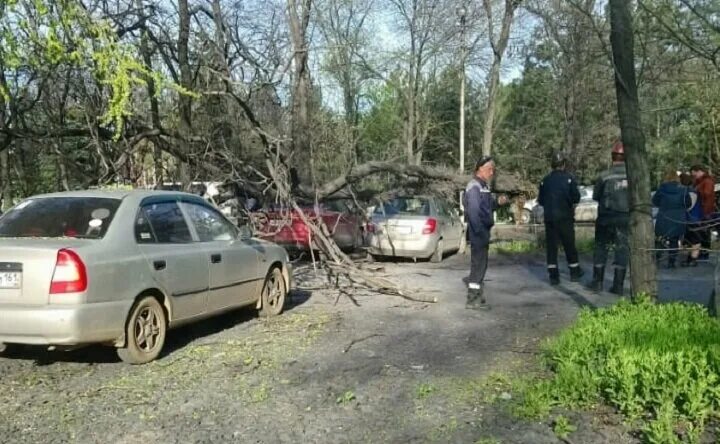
column 558, row 196
column 612, row 225
column 479, row 206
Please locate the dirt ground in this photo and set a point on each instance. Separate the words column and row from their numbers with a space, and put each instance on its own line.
column 331, row 369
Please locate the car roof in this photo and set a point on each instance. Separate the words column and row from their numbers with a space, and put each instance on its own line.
column 112, row 194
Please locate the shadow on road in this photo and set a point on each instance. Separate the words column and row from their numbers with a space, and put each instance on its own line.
column 176, row 338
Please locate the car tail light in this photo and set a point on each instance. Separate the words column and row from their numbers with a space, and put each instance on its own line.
column 370, row 228
column 430, row 226
column 70, row 275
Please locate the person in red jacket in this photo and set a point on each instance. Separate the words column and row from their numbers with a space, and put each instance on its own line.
column 705, row 187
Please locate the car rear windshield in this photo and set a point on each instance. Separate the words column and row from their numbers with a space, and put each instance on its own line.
column 414, row 206
column 55, row 217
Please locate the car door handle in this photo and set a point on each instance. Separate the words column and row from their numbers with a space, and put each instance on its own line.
column 216, row 258
column 160, row 265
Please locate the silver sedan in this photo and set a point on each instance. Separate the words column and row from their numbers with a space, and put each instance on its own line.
column 415, row 227
column 121, row 268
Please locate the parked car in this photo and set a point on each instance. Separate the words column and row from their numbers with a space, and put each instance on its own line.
column 415, row 227
column 121, row 268
column 287, row 228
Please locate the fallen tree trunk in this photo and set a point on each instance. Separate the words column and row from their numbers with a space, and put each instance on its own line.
column 504, row 182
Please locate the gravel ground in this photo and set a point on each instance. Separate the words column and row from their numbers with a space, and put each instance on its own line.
column 331, row 369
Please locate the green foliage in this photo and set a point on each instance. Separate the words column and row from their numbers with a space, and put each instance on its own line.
column 562, row 427
column 345, row 398
column 424, row 390
column 40, row 35
column 381, row 126
column 657, row 361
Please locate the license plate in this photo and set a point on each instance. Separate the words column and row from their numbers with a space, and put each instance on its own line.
column 10, row 279
column 402, row 230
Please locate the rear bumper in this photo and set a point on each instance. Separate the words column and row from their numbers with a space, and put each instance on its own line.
column 63, row 325
column 414, row 248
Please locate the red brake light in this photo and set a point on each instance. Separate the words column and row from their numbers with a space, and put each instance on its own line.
column 70, row 275
column 430, row 226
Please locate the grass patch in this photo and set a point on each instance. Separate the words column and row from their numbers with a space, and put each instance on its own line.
column 585, row 245
column 658, row 364
column 424, row 390
column 514, row 247
column 345, row 398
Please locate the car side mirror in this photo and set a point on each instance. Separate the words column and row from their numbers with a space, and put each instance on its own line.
column 244, row 233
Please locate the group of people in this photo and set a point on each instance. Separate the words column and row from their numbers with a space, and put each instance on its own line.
column 685, row 202
column 686, row 207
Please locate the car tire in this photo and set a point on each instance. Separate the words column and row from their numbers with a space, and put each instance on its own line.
column 437, row 255
column 145, row 332
column 273, row 293
column 8, row 349
column 526, row 217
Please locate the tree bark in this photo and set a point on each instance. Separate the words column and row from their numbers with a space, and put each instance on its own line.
column 186, row 81
column 642, row 264
column 6, row 195
column 301, row 95
column 499, row 45
column 146, row 54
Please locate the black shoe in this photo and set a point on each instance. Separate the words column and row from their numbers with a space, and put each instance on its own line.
column 554, row 276
column 576, row 273
column 598, row 278
column 618, row 286
column 476, row 299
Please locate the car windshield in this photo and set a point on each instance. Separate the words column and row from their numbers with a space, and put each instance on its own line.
column 405, row 205
column 56, row 217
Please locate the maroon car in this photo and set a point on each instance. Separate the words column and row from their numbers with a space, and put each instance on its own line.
column 287, row 228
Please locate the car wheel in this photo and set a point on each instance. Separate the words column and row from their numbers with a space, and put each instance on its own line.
column 8, row 349
column 438, row 254
column 273, row 294
column 525, row 217
column 145, row 332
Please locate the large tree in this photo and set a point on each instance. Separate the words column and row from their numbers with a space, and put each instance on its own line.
column 642, row 263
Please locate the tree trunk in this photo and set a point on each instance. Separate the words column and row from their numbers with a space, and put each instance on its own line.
column 63, row 184
column 185, row 81
column 499, row 45
column 301, row 95
column 154, row 106
column 5, row 180
column 642, row 264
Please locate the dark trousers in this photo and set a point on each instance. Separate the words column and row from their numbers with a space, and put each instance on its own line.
column 669, row 245
column 612, row 233
column 706, row 237
column 560, row 233
column 478, row 263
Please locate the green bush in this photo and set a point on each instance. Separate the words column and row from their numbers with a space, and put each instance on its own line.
column 658, row 364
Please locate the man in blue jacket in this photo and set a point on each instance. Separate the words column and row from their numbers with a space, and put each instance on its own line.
column 558, row 195
column 479, row 207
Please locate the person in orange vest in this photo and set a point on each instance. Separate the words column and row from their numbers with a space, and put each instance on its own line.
column 705, row 187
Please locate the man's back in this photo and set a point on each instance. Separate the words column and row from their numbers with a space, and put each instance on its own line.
column 558, row 195
column 611, row 192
